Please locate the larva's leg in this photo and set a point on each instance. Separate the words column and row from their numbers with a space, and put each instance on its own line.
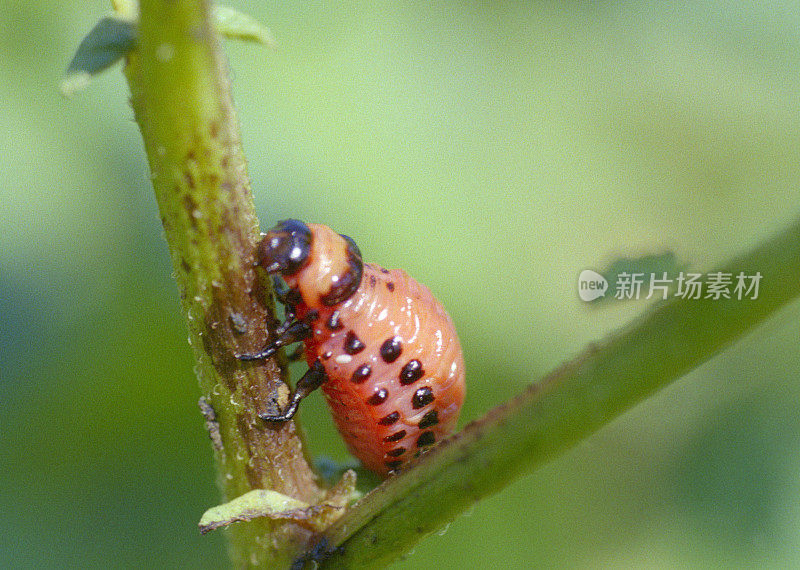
column 289, row 298
column 297, row 354
column 294, row 332
column 310, row 381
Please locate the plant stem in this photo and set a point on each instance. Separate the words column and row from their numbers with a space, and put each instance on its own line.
column 181, row 96
column 567, row 406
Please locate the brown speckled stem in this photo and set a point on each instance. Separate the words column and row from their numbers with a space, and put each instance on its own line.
column 181, row 97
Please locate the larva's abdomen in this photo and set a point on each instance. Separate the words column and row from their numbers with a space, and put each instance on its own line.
column 395, row 369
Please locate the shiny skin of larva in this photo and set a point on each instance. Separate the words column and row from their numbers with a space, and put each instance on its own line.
column 394, row 364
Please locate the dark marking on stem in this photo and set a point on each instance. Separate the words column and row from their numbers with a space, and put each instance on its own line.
column 212, row 425
column 238, row 323
column 190, row 206
column 189, row 180
column 320, row 552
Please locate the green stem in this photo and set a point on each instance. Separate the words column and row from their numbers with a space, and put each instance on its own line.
column 181, row 97
column 568, row 405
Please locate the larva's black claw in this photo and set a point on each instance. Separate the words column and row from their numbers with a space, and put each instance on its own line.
column 310, row 381
column 264, row 354
column 297, row 354
column 294, row 332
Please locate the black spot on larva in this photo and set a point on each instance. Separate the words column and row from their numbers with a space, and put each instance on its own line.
column 390, row 286
column 429, row 419
column 391, row 349
column 389, row 419
column 379, row 397
column 426, row 438
column 349, row 281
column 394, row 465
column 396, row 452
column 353, row 344
column 422, row 398
column 411, row 372
column 334, row 323
column 383, row 270
column 373, row 281
column 395, row 436
column 311, row 316
column 326, row 355
column 361, row 374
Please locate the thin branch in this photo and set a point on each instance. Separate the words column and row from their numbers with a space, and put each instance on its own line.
column 565, row 407
column 181, row 97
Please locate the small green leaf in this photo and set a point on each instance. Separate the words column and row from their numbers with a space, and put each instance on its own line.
column 102, row 47
column 114, row 36
column 265, row 503
column 233, row 24
column 252, row 505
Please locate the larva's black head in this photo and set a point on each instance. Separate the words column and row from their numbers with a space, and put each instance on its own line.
column 285, row 248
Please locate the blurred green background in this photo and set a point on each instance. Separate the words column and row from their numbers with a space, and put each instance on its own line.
column 493, row 150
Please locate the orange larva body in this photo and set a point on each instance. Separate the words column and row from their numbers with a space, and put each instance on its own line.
column 393, row 367
column 390, row 404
